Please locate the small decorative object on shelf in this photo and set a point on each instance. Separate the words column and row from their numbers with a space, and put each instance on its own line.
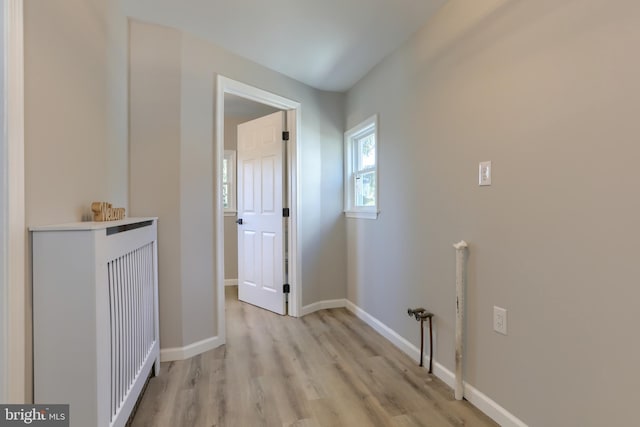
column 102, row 211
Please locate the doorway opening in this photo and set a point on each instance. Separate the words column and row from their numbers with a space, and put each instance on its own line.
column 238, row 103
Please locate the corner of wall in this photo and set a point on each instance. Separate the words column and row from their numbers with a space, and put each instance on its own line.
column 471, row 394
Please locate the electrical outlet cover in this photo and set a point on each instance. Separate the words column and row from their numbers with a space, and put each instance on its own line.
column 500, row 320
column 484, row 173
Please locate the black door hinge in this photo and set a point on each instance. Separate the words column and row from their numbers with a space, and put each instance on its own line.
column 285, row 135
column 285, row 212
column 286, row 288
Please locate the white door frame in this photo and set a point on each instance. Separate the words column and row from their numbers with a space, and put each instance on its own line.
column 12, row 210
column 293, row 111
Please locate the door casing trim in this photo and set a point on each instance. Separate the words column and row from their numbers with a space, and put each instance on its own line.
column 293, row 113
column 13, row 235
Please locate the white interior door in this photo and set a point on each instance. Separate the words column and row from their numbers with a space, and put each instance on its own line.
column 260, row 222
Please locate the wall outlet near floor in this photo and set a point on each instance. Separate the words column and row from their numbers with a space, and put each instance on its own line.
column 500, row 320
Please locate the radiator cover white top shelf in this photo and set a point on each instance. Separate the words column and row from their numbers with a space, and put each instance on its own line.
column 90, row 225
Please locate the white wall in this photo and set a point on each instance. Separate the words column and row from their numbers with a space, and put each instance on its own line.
column 75, row 113
column 549, row 91
column 171, row 172
column 76, row 108
column 154, row 153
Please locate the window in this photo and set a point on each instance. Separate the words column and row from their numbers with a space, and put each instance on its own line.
column 229, row 182
column 361, row 170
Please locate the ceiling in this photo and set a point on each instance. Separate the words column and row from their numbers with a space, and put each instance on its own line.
column 327, row 44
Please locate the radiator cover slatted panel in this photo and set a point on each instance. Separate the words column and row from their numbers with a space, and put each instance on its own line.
column 131, row 297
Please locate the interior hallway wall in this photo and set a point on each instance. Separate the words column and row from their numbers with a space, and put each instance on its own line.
column 75, row 108
column 172, row 109
column 547, row 90
column 76, row 118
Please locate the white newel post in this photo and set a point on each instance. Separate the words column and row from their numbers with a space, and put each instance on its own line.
column 460, row 287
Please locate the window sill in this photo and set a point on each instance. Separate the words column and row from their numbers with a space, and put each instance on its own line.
column 230, row 213
column 362, row 214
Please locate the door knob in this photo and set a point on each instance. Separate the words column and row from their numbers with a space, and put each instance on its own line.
column 239, row 221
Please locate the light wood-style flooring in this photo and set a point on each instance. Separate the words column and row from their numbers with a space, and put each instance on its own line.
column 326, row 369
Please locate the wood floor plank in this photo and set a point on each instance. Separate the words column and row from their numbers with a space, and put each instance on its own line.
column 160, row 389
column 325, row 412
column 326, row 369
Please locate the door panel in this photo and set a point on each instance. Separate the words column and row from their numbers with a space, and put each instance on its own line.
column 269, row 248
column 260, row 202
column 247, row 196
column 248, row 255
column 268, row 180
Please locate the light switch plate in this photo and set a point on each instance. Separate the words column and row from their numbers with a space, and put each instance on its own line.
column 484, row 173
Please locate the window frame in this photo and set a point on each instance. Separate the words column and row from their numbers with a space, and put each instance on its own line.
column 351, row 138
column 230, row 157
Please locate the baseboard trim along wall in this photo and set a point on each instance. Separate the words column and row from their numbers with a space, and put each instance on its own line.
column 471, row 394
column 230, row 282
column 186, row 352
column 323, row 305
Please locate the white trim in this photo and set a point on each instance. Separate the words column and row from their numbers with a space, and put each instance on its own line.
column 4, row 252
column 490, row 407
column 323, row 305
column 362, row 215
column 12, row 206
column 362, row 128
column 230, row 282
column 294, row 115
column 294, row 109
column 230, row 213
column 187, row 352
column 473, row 395
column 387, row 332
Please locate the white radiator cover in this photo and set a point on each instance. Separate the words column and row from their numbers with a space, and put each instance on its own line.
column 95, row 317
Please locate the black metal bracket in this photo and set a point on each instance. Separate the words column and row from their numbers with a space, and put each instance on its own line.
column 421, row 315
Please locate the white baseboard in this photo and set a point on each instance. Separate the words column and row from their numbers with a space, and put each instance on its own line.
column 323, row 305
column 491, row 408
column 231, row 282
column 473, row 395
column 389, row 333
column 186, row 352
